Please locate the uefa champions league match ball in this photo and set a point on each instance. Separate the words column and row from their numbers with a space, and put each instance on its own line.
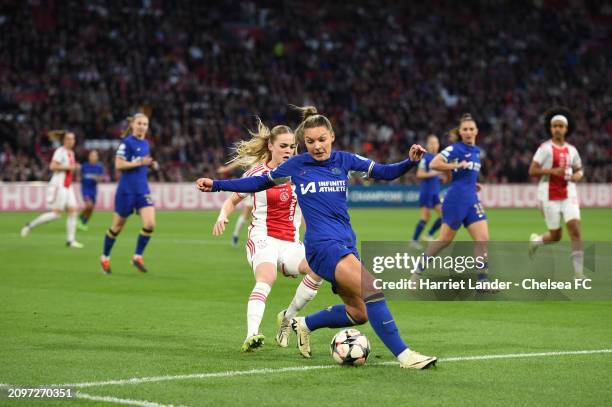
column 350, row 347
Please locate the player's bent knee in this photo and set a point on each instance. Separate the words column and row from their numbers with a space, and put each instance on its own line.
column 357, row 316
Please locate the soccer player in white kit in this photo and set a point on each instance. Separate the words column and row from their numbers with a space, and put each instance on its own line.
column 559, row 167
column 60, row 192
column 274, row 238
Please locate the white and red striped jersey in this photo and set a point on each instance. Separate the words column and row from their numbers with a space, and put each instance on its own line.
column 276, row 212
column 550, row 155
column 64, row 157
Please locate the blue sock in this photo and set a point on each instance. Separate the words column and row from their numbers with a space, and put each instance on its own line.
column 435, row 227
column 419, row 229
column 384, row 325
column 332, row 317
column 483, row 272
column 109, row 241
column 143, row 239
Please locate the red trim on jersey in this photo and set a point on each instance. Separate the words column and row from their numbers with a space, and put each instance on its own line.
column 68, row 177
column 557, row 185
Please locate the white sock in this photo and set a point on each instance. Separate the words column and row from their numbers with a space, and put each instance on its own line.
column 256, row 307
column 43, row 218
column 538, row 241
column 305, row 293
column 578, row 261
column 71, row 227
column 402, row 357
column 239, row 224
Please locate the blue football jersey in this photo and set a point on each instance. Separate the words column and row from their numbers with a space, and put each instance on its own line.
column 321, row 188
column 429, row 185
column 89, row 175
column 134, row 181
column 463, row 184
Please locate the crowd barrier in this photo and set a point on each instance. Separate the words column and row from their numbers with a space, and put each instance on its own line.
column 31, row 196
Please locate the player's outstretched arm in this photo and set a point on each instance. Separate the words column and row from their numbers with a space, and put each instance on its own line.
column 392, row 171
column 439, row 164
column 247, row 184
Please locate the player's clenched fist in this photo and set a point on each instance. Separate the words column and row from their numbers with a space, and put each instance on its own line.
column 416, row 152
column 204, row 184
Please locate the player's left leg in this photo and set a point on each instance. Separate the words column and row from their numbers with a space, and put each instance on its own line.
column 147, row 214
column 479, row 231
column 353, row 279
column 305, row 292
column 573, row 229
column 86, row 213
column 438, row 222
column 571, row 214
column 419, row 227
column 71, row 221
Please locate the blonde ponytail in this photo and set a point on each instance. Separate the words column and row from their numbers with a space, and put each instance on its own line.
column 255, row 150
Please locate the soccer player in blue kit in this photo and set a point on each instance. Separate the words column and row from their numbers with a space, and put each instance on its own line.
column 429, row 194
column 320, row 177
column 133, row 194
column 461, row 204
column 91, row 174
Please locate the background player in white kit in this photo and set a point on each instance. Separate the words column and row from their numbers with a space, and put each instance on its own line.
column 60, row 193
column 559, row 167
column 273, row 243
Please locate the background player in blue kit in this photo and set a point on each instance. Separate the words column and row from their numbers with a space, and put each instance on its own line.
column 429, row 194
column 133, row 193
column 320, row 177
column 461, row 204
column 91, row 173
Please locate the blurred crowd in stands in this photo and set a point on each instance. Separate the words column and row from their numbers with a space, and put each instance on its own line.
column 386, row 73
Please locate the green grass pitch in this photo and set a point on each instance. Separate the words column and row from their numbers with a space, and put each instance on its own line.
column 63, row 321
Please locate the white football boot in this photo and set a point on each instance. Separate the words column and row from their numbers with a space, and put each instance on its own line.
column 410, row 359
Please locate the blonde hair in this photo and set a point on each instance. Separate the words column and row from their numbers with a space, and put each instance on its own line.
column 130, row 119
column 255, row 150
column 56, row 135
column 310, row 119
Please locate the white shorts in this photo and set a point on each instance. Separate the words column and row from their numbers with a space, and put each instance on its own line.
column 60, row 197
column 554, row 210
column 266, row 249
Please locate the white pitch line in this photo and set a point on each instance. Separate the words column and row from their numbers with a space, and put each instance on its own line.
column 116, row 400
column 234, row 373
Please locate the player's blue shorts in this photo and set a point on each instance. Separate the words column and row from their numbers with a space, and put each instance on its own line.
column 428, row 200
column 89, row 195
column 126, row 204
column 325, row 256
column 455, row 214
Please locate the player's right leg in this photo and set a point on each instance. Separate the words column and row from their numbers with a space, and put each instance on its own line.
column 262, row 254
column 56, row 201
column 265, row 276
column 109, row 240
column 552, row 217
column 40, row 220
